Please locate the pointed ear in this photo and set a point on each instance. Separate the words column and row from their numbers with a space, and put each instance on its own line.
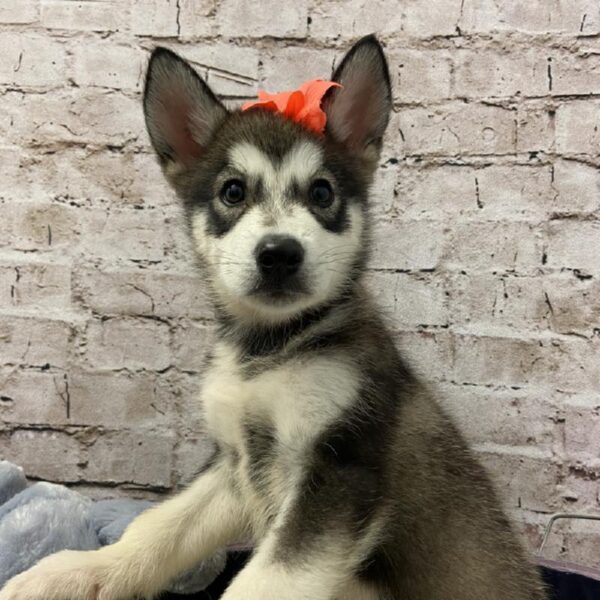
column 181, row 111
column 358, row 112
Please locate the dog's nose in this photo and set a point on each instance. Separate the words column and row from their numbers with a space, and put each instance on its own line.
column 278, row 255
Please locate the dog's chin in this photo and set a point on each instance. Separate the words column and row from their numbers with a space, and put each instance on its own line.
column 268, row 303
column 277, row 302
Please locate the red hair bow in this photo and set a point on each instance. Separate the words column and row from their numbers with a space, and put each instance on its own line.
column 302, row 105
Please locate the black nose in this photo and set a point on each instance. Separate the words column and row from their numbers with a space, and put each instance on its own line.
column 278, row 256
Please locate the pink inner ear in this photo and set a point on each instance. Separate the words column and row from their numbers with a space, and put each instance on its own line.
column 175, row 121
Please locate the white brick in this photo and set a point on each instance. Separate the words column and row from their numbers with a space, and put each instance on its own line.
column 34, row 397
column 535, row 128
column 130, row 457
column 524, row 482
column 497, row 246
column 191, row 341
column 493, row 193
column 410, row 300
column 536, row 16
column 108, row 65
column 577, row 187
column 341, row 18
column 128, row 344
column 230, row 70
column 195, row 18
column 484, row 302
column 288, row 68
column 574, row 245
column 491, row 360
column 192, row 454
column 503, row 417
column 38, row 342
column 384, row 195
column 47, row 455
column 576, row 75
column 256, row 18
column 419, row 75
column 157, row 18
column 25, row 11
column 36, row 226
column 430, row 19
column 514, row 193
column 582, row 430
column 115, row 400
column 408, row 245
column 457, row 129
column 436, row 192
column 93, row 116
column 85, row 176
column 556, row 364
column 109, row 236
column 578, row 127
column 84, row 15
column 191, row 421
column 35, row 284
column 573, row 364
column 428, row 352
column 575, row 303
column 31, row 60
column 490, row 73
column 143, row 293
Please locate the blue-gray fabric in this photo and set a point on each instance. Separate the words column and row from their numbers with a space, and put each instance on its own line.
column 40, row 519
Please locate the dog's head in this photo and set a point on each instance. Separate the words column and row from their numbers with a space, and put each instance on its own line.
column 277, row 213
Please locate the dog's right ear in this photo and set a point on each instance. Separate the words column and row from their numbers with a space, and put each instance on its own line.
column 181, row 111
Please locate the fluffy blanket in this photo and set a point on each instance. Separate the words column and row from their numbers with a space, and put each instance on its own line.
column 42, row 518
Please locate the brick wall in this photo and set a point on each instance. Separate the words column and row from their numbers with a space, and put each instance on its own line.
column 488, row 211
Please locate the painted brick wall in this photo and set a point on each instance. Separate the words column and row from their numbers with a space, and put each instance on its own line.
column 488, row 215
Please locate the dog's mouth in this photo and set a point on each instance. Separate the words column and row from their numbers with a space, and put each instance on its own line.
column 279, row 291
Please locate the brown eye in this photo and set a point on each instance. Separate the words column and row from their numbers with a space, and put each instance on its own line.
column 232, row 192
column 321, row 193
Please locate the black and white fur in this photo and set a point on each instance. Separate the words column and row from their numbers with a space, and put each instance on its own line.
column 331, row 455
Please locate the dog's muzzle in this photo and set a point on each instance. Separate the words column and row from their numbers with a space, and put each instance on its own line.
column 278, row 257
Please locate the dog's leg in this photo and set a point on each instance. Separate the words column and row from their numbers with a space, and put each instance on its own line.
column 323, row 573
column 301, row 559
column 161, row 543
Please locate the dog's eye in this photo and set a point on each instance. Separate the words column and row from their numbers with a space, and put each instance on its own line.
column 321, row 193
column 232, row 192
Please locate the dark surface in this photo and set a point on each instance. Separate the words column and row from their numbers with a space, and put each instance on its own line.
column 563, row 586
column 571, row 586
column 235, row 562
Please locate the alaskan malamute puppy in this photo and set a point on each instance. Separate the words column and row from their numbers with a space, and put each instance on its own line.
column 331, row 455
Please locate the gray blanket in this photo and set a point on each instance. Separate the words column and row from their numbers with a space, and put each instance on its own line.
column 42, row 518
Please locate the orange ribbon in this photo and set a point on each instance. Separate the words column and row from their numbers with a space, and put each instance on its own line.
column 302, row 105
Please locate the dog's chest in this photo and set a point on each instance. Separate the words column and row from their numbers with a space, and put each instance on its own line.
column 288, row 405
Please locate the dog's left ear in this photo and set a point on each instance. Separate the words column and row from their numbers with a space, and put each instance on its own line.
column 358, row 112
column 181, row 111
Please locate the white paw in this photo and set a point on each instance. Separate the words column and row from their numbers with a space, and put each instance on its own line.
column 66, row 575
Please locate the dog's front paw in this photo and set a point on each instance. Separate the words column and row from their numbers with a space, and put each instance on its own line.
column 66, row 575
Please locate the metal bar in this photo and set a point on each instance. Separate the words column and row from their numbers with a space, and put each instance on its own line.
column 558, row 516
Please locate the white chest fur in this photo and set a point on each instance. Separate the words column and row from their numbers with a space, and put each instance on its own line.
column 298, row 398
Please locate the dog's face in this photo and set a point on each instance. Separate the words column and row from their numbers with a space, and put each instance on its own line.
column 277, row 213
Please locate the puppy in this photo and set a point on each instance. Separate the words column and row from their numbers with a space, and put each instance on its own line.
column 331, row 455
